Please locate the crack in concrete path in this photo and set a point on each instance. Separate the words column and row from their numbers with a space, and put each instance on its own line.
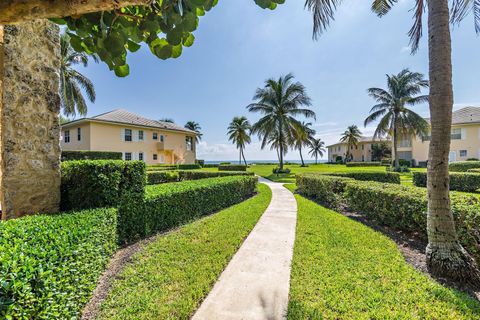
column 256, row 282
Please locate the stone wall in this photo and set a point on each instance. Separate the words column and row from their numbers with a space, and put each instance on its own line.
column 29, row 123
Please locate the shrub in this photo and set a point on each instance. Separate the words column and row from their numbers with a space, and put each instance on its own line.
column 326, row 189
column 161, row 167
column 201, row 163
column 472, row 159
column 196, row 175
column 399, row 169
column 280, row 171
column 389, row 177
column 397, row 206
column 386, row 162
column 90, row 155
column 188, row 166
column 404, row 163
column 99, row 183
column 169, row 205
column 232, row 167
column 459, row 181
column 477, row 170
column 211, row 165
column 463, row 166
column 338, row 159
column 50, row 264
column 157, row 177
column 364, row 164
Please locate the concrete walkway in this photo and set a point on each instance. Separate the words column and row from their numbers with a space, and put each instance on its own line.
column 256, row 282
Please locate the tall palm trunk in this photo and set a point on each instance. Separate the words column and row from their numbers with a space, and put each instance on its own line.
column 445, row 256
column 316, row 158
column 240, row 156
column 301, row 156
column 280, row 138
column 396, row 163
column 243, row 155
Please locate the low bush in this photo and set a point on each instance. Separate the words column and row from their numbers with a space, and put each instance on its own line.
column 50, row 264
column 388, row 177
column 364, row 164
column 280, row 171
column 404, row 163
column 188, row 166
column 477, row 170
column 157, row 177
column 90, row 155
column 397, row 206
column 161, row 167
column 472, row 159
column 210, row 165
column 400, row 169
column 463, row 166
column 99, row 183
column 169, row 205
column 232, row 167
column 459, row 181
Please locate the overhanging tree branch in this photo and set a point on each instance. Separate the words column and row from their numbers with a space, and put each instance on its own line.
column 17, row 11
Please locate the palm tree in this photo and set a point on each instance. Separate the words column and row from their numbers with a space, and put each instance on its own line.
column 168, row 120
column 72, row 82
column 395, row 118
column 351, row 136
column 239, row 133
column 445, row 255
column 195, row 126
column 302, row 136
column 280, row 102
column 317, row 148
column 380, row 151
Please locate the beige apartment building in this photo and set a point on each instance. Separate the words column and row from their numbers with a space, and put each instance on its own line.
column 465, row 142
column 136, row 137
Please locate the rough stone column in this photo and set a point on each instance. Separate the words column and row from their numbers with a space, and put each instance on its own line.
column 29, row 123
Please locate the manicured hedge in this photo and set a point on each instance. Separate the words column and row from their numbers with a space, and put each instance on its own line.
column 364, row 164
column 232, row 167
column 159, row 167
column 169, row 205
column 211, row 165
column 389, row 177
column 476, row 170
column 459, row 181
column 397, row 206
column 99, row 183
column 463, row 166
column 158, row 177
column 50, row 264
column 90, row 155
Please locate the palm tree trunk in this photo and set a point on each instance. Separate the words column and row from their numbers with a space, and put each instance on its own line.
column 280, row 138
column 240, row 156
column 316, row 158
column 395, row 144
column 243, row 155
column 301, row 157
column 445, row 256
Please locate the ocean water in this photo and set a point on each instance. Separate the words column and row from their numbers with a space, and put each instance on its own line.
column 263, row 161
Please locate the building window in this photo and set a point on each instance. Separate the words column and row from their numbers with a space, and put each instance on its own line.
column 140, row 135
column 128, row 156
column 140, row 156
column 463, row 153
column 456, row 134
column 79, row 134
column 189, row 143
column 162, row 138
column 363, row 147
column 155, row 157
column 128, row 135
column 363, row 158
column 155, row 136
column 66, row 136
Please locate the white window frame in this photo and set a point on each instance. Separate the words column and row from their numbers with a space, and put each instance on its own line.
column 142, row 136
column 141, row 156
column 125, row 135
column 463, row 155
column 125, row 156
column 155, row 157
column 66, row 136
column 154, row 135
column 162, row 138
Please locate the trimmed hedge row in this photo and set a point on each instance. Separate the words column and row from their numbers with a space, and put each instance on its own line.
column 158, row 177
column 459, row 181
column 402, row 207
column 387, row 177
column 232, row 167
column 476, row 170
column 90, row 155
column 364, row 164
column 159, row 167
column 169, row 205
column 50, row 264
column 463, row 166
column 99, row 183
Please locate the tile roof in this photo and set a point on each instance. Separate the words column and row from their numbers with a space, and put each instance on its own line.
column 466, row 115
column 127, row 117
column 362, row 139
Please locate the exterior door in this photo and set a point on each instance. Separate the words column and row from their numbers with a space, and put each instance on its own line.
column 452, row 156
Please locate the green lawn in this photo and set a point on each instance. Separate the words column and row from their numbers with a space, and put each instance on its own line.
column 173, row 274
column 344, row 270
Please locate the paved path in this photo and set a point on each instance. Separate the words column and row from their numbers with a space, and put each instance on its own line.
column 256, row 282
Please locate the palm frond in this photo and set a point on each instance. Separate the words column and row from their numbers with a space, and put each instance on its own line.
column 323, row 13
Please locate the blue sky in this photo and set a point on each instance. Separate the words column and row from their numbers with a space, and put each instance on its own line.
column 238, row 46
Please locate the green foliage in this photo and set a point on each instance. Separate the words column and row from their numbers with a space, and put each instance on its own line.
column 165, row 26
column 201, row 163
column 364, row 164
column 459, row 181
column 50, row 264
column 342, row 269
column 400, row 169
column 280, row 171
column 401, row 207
column 99, row 183
column 158, row 177
column 463, row 166
column 387, row 177
column 91, row 155
column 232, row 167
column 175, row 272
column 211, row 165
column 158, row 167
column 168, row 205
